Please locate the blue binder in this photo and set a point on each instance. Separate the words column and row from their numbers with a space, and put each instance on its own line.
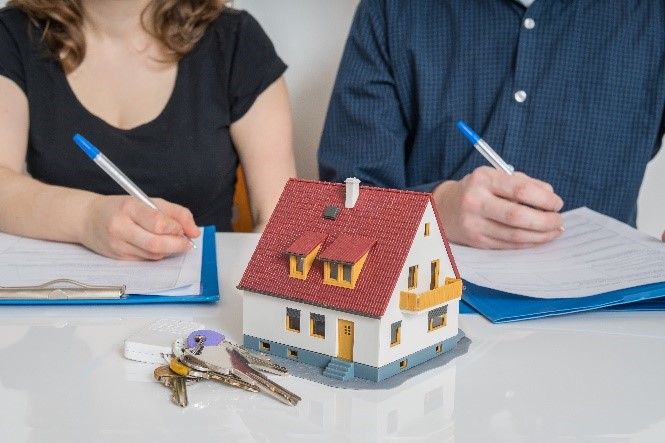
column 502, row 307
column 209, row 291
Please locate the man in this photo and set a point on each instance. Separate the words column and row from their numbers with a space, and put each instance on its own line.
column 570, row 92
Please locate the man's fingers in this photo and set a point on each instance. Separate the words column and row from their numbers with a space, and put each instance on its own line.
column 490, row 234
column 529, row 192
column 520, row 216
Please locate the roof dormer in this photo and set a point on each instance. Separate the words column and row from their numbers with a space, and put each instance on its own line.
column 302, row 253
column 343, row 260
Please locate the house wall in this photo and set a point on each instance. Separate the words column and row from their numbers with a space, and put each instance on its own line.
column 264, row 317
column 309, row 36
column 414, row 334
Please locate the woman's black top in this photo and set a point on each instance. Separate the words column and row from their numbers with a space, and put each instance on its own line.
column 185, row 155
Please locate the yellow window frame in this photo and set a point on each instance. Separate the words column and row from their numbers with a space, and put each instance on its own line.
column 339, row 280
column 398, row 336
column 430, row 323
column 311, row 329
column 289, row 326
column 306, row 262
column 413, row 277
column 435, row 269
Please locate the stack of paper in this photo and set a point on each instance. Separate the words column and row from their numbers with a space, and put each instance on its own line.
column 597, row 262
column 26, row 262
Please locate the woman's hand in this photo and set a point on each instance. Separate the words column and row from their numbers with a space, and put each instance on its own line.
column 490, row 209
column 122, row 227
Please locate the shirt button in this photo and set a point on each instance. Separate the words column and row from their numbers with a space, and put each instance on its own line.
column 520, row 96
column 529, row 23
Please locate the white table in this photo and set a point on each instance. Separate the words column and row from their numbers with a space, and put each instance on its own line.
column 588, row 377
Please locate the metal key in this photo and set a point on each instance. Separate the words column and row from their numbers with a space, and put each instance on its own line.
column 261, row 362
column 179, row 347
column 184, row 370
column 176, row 382
column 226, row 359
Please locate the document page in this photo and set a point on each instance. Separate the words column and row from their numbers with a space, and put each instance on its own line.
column 595, row 254
column 30, row 262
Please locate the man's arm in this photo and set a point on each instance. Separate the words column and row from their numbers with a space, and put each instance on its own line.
column 364, row 133
column 366, row 136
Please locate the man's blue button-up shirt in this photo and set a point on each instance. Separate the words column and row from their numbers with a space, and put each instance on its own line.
column 568, row 91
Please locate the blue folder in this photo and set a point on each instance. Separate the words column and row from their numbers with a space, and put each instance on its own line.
column 209, row 291
column 465, row 308
column 502, row 307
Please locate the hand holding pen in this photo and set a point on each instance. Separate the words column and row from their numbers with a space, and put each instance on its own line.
column 135, row 227
column 498, row 208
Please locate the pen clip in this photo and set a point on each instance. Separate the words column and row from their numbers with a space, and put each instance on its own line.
column 58, row 290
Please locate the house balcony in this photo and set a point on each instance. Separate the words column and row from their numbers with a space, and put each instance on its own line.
column 414, row 302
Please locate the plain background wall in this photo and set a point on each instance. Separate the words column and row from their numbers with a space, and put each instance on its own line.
column 309, row 36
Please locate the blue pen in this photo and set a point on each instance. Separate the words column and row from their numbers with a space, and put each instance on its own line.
column 485, row 149
column 116, row 174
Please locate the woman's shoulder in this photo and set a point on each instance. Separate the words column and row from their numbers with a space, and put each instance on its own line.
column 13, row 18
column 17, row 32
column 235, row 23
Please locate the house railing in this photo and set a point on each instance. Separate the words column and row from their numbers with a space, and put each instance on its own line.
column 411, row 301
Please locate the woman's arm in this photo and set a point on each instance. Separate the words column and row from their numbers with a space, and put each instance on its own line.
column 115, row 226
column 30, row 208
column 264, row 140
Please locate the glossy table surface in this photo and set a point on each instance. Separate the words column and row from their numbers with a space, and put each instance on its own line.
column 593, row 377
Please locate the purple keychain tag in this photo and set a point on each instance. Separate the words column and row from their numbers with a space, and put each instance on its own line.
column 212, row 338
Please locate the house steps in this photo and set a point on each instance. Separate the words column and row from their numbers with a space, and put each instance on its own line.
column 339, row 369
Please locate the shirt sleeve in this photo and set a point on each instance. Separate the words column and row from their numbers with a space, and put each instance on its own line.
column 11, row 64
column 256, row 66
column 365, row 133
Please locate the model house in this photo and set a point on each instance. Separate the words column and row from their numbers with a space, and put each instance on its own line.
column 357, row 280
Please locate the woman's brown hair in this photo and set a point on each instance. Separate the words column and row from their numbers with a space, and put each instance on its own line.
column 177, row 24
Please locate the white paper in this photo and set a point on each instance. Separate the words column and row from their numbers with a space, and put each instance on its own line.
column 595, row 254
column 30, row 262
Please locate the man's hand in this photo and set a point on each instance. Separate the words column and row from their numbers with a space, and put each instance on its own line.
column 490, row 209
column 123, row 227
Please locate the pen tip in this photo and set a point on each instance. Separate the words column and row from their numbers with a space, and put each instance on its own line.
column 86, row 146
column 468, row 132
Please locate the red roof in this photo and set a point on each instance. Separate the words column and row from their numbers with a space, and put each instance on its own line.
column 383, row 221
column 347, row 249
column 306, row 243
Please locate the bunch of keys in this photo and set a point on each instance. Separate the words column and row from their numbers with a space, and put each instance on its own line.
column 207, row 355
column 176, row 382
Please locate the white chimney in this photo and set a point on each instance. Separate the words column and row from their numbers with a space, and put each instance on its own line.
column 352, row 191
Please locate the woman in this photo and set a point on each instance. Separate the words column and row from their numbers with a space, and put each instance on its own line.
column 175, row 93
